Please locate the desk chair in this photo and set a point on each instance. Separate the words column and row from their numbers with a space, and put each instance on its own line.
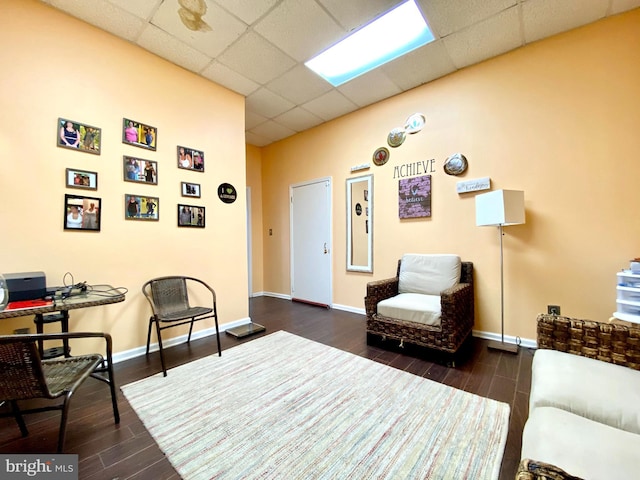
column 25, row 376
column 169, row 300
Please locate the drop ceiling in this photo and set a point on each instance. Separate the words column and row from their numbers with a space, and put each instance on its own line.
column 257, row 48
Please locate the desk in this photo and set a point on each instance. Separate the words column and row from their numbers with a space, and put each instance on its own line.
column 58, row 311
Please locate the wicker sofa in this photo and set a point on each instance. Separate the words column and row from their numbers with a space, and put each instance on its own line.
column 584, row 406
column 455, row 321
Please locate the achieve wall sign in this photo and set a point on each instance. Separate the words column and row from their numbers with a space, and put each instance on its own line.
column 227, row 193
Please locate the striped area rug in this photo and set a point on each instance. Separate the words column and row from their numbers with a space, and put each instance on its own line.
column 284, row 407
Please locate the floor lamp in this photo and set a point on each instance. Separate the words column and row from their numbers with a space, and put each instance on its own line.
column 500, row 208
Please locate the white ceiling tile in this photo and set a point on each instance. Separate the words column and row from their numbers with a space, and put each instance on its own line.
column 300, row 28
column 369, row 88
column 252, row 119
column 619, row 6
column 256, row 59
column 140, row 8
column 420, row 66
column 219, row 29
column 299, row 85
column 223, row 75
column 298, row 119
column 257, row 140
column 447, row 16
column 330, row 105
column 355, row 13
column 247, row 10
column 479, row 41
column 164, row 45
column 103, row 15
column 273, row 131
column 268, row 104
column 543, row 18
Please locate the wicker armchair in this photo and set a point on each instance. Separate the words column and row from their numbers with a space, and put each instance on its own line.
column 456, row 320
column 609, row 342
column 169, row 300
column 532, row 470
column 24, row 376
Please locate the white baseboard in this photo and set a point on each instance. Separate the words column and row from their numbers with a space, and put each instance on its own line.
column 347, row 308
column 274, row 295
column 207, row 332
column 525, row 342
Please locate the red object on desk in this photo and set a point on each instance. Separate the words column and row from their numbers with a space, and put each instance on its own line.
column 28, row 304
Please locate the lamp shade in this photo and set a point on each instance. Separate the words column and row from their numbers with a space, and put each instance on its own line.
column 501, row 207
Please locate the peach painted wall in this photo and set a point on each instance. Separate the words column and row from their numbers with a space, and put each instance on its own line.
column 558, row 119
column 254, row 182
column 56, row 66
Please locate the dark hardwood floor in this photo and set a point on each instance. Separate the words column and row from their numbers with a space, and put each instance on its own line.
column 127, row 451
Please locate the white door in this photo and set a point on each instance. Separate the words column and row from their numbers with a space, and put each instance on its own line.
column 311, row 242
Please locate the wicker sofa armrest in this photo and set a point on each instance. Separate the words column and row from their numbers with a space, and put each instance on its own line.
column 457, row 307
column 378, row 291
column 609, row 342
column 532, row 470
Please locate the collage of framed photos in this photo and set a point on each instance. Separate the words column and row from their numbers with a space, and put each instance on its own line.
column 82, row 212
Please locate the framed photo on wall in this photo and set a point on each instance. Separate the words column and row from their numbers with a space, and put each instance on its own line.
column 78, row 136
column 141, row 207
column 81, row 213
column 191, row 216
column 190, row 189
column 139, row 170
column 190, row 159
column 81, row 179
column 139, row 134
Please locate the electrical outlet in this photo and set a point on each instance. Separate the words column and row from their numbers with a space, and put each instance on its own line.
column 553, row 309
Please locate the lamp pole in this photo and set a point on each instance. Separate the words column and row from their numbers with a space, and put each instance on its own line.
column 501, row 345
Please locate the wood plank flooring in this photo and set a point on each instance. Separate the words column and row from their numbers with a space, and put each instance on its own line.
column 127, row 451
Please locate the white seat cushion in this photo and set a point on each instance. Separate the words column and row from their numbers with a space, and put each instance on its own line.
column 606, row 393
column 412, row 307
column 428, row 274
column 581, row 447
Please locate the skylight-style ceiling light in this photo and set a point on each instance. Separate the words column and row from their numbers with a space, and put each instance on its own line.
column 390, row 36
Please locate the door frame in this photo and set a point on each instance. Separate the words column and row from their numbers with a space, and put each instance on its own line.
column 329, row 181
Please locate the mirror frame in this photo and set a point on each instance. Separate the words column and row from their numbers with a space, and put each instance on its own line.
column 368, row 267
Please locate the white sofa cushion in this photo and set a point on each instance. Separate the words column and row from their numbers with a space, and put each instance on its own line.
column 581, row 447
column 428, row 274
column 412, row 307
column 601, row 391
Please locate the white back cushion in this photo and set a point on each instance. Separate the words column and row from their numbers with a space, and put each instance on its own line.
column 428, row 274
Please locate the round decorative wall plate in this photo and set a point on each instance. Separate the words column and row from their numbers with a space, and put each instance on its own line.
column 227, row 193
column 396, row 137
column 381, row 156
column 414, row 123
column 456, row 164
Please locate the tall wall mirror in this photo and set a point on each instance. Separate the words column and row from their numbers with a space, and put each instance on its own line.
column 360, row 224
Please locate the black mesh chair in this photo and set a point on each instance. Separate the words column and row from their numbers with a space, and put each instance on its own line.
column 169, row 299
column 25, row 376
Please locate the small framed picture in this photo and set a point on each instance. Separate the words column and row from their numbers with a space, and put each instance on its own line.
column 190, row 216
column 139, row 134
column 190, row 159
column 81, row 179
column 139, row 170
column 78, row 136
column 141, row 207
column 190, row 189
column 81, row 213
